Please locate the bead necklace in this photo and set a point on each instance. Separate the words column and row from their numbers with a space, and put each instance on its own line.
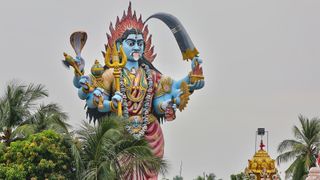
column 146, row 105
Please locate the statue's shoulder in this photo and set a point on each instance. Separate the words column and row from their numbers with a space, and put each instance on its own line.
column 108, row 79
column 108, row 73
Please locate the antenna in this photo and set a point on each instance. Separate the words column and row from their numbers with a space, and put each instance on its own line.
column 180, row 169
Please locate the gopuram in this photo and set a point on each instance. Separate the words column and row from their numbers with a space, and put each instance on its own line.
column 261, row 166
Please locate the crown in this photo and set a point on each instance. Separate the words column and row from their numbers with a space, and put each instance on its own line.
column 130, row 21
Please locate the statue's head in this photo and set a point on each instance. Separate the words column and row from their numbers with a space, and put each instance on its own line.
column 132, row 43
column 133, row 35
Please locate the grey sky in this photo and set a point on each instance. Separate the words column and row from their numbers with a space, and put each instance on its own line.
column 261, row 63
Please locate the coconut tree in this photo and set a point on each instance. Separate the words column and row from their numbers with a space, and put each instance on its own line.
column 18, row 107
column 108, row 152
column 48, row 116
column 302, row 149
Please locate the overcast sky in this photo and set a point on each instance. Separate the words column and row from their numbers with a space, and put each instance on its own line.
column 261, row 66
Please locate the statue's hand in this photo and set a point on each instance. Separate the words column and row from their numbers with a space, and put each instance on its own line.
column 170, row 110
column 195, row 61
column 84, row 82
column 117, row 98
column 98, row 95
column 197, row 85
column 80, row 62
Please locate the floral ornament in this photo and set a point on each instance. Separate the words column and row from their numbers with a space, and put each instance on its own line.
column 135, row 127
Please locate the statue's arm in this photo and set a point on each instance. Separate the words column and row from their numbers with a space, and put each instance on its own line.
column 165, row 101
column 104, row 102
column 80, row 81
column 172, row 94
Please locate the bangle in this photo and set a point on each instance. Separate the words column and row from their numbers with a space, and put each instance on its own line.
column 112, row 108
column 160, row 109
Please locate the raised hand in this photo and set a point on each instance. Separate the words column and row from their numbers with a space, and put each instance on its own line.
column 85, row 82
column 170, row 109
column 98, row 97
column 197, row 81
column 80, row 63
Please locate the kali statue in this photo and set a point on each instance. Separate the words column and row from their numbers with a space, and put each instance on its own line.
column 129, row 85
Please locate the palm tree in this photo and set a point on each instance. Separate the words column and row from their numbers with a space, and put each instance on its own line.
column 302, row 149
column 19, row 116
column 48, row 116
column 108, row 152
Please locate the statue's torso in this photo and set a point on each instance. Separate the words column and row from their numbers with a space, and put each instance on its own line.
column 136, row 89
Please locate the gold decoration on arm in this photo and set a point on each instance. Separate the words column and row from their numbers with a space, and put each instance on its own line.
column 164, row 86
column 194, row 78
column 117, row 61
column 112, row 108
column 160, row 109
column 100, row 103
column 184, row 97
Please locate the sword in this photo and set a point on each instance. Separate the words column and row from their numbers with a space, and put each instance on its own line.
column 188, row 50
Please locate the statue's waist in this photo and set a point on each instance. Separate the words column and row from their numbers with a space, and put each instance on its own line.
column 138, row 118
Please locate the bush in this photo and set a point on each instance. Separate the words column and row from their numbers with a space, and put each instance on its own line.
column 42, row 155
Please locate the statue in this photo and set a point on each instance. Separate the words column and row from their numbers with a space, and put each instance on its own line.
column 129, row 85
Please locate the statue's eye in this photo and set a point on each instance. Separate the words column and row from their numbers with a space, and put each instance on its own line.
column 130, row 43
column 140, row 43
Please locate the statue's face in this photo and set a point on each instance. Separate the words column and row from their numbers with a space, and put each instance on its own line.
column 133, row 46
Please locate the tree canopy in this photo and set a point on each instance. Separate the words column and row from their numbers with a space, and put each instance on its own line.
column 44, row 155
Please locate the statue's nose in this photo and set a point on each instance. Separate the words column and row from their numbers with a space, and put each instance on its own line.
column 136, row 47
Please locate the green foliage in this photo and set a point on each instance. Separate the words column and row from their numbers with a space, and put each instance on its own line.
column 300, row 171
column 42, row 155
column 178, row 178
column 210, row 176
column 104, row 151
column 199, row 178
column 18, row 117
column 108, row 152
column 240, row 176
column 302, row 149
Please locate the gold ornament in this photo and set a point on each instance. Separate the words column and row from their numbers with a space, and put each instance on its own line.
column 184, row 97
column 164, row 86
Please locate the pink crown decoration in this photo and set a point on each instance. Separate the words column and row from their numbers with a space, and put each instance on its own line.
column 130, row 21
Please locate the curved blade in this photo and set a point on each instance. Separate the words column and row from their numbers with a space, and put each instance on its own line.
column 183, row 39
column 78, row 40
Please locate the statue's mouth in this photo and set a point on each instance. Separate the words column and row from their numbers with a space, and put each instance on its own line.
column 136, row 55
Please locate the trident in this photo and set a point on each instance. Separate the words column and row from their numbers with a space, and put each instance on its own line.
column 117, row 64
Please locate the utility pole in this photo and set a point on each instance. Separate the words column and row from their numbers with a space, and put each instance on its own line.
column 180, row 169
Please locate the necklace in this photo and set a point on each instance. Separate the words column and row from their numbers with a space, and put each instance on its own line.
column 136, row 128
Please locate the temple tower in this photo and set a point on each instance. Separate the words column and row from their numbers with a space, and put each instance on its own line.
column 261, row 166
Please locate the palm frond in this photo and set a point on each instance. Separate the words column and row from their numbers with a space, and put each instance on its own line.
column 24, row 130
column 289, row 144
column 287, row 156
column 107, row 150
column 291, row 168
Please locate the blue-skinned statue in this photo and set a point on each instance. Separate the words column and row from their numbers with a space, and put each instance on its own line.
column 129, row 85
